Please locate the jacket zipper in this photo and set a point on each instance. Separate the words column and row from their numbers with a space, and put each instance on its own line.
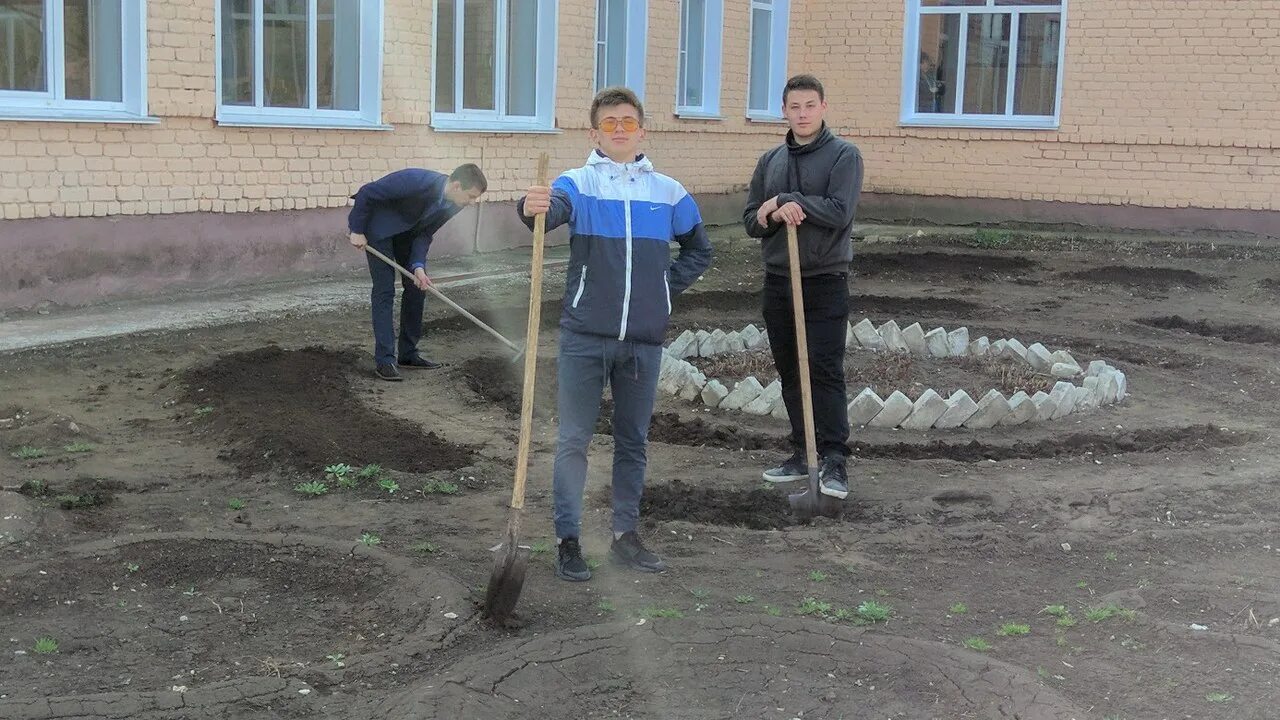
column 626, row 293
column 582, row 285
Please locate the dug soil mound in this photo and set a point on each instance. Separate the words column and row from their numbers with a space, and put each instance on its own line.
column 966, row 266
column 1251, row 334
column 734, row 305
column 498, row 380
column 1151, row 278
column 296, row 409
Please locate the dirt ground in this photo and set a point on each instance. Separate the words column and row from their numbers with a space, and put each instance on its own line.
column 180, row 536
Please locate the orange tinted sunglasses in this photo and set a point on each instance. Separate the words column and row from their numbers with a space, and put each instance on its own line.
column 629, row 124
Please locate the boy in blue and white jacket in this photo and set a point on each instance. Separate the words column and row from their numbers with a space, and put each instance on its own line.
column 623, row 217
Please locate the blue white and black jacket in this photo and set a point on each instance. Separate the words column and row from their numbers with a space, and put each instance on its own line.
column 622, row 219
column 410, row 200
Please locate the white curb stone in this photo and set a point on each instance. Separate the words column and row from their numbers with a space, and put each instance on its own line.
column 1021, row 410
column 1108, row 387
column 864, row 407
column 780, row 411
column 1064, row 370
column 680, row 346
column 937, row 342
column 980, row 347
column 763, row 404
column 693, row 385
column 751, row 337
column 958, row 342
column 704, row 344
column 733, row 342
column 913, row 335
column 925, row 412
column 743, row 393
column 1064, row 397
column 1096, row 367
column 1014, row 350
column 719, row 345
column 1122, row 386
column 674, row 379
column 714, row 393
column 997, row 348
column 991, row 409
column 850, row 338
column 867, row 336
column 1085, row 398
column 1062, row 356
column 1045, row 406
column 892, row 336
column 960, row 407
column 1039, row 358
column 896, row 409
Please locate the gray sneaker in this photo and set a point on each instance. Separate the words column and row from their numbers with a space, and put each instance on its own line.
column 630, row 552
column 570, row 564
column 834, row 477
column 791, row 470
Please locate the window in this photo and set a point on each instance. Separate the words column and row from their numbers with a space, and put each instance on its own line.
column 767, row 73
column 300, row 63
column 621, row 29
column 494, row 65
column 698, row 84
column 983, row 63
column 73, row 60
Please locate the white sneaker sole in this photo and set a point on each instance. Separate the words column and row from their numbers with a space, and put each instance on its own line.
column 783, row 478
column 834, row 493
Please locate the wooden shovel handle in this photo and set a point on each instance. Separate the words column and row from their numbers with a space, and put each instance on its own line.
column 531, row 346
column 802, row 348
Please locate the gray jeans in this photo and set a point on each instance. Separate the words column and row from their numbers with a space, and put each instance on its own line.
column 586, row 364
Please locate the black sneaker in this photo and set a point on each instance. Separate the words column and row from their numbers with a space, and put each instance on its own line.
column 387, row 371
column 629, row 551
column 792, row 469
column 569, row 562
column 417, row 361
column 834, row 477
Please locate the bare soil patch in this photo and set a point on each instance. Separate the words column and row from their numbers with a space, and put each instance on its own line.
column 297, row 409
column 1151, row 278
column 964, row 266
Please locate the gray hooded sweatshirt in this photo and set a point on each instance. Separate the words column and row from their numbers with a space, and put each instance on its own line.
column 825, row 178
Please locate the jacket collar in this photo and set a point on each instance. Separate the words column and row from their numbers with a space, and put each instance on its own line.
column 604, row 162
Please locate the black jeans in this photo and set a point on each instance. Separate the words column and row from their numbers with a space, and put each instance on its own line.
column 383, row 301
column 826, row 313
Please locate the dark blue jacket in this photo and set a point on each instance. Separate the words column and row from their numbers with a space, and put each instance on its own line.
column 623, row 219
column 406, row 201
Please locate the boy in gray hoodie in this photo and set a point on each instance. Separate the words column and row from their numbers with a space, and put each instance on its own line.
column 811, row 181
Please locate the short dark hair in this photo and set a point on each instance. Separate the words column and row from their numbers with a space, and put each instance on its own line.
column 611, row 96
column 803, row 82
column 470, row 176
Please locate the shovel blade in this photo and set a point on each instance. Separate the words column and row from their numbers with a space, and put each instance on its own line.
column 810, row 503
column 505, row 583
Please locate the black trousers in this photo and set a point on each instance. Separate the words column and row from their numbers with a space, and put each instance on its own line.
column 826, row 312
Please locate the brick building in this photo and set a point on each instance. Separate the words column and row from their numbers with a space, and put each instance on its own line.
column 147, row 144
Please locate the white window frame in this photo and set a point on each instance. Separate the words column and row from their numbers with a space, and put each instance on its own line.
column 368, row 117
column 1007, row 121
column 781, row 10
column 467, row 120
column 52, row 102
column 637, row 31
column 712, row 49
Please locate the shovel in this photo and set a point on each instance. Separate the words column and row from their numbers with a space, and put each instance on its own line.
column 440, row 296
column 507, row 578
column 810, row 502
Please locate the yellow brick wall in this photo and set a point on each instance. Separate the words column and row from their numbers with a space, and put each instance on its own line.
column 1164, row 105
